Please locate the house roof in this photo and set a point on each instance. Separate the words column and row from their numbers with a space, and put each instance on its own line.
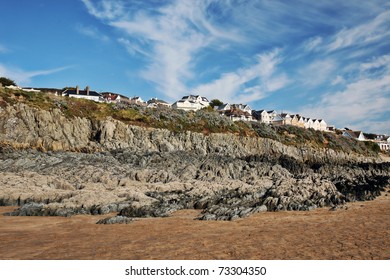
column 223, row 107
column 194, row 97
column 49, row 89
column 278, row 118
column 81, row 92
column 155, row 100
column 370, row 136
column 353, row 134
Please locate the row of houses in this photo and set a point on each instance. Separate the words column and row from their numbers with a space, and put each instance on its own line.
column 244, row 113
column 235, row 112
column 272, row 117
column 87, row 93
column 110, row 97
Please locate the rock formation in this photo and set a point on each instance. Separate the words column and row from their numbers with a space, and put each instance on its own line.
column 54, row 165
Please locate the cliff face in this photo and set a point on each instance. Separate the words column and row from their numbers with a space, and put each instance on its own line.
column 25, row 127
column 145, row 172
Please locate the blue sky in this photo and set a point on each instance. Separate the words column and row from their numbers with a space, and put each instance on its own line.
column 322, row 59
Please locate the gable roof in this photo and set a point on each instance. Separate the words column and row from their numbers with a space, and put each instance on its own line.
column 352, row 134
column 223, row 107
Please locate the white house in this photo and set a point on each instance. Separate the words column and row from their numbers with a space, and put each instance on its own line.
column 191, row 103
column 322, row 125
column 238, row 115
column 383, row 141
column 31, row 90
column 262, row 116
column 308, row 123
column 316, row 124
column 110, row 97
column 137, row 99
column 358, row 135
column 84, row 94
column 297, row 120
column 287, row 118
column 385, row 146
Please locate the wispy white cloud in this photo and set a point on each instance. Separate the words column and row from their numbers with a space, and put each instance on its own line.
column 312, row 43
column 105, row 9
column 22, row 77
column 362, row 102
column 233, row 86
column 359, row 101
column 170, row 36
column 382, row 61
column 92, row 32
column 317, row 72
column 338, row 80
column 381, row 126
column 172, row 42
column 376, row 30
column 133, row 48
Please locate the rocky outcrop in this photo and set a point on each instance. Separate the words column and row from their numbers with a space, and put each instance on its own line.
column 157, row 184
column 72, row 166
column 22, row 126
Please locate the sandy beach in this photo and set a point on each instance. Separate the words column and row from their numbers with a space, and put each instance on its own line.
column 361, row 230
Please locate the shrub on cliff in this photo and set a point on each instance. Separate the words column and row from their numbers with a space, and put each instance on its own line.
column 372, row 146
column 7, row 82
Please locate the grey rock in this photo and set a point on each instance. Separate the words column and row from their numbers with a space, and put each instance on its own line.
column 116, row 220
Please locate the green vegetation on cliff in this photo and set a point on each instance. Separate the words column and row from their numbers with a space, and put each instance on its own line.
column 204, row 121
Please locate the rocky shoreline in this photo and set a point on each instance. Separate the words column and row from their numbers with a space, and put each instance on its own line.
column 53, row 165
column 156, row 184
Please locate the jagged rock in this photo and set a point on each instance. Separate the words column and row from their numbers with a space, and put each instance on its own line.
column 30, row 209
column 116, row 220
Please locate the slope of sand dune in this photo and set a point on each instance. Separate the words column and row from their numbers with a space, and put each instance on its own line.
column 362, row 231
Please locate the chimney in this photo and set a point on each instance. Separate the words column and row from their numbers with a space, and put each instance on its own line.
column 77, row 90
column 87, row 90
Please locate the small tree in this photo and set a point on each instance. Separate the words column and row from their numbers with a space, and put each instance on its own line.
column 215, row 102
column 6, row 82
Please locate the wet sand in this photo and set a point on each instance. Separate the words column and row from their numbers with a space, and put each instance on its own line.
column 360, row 232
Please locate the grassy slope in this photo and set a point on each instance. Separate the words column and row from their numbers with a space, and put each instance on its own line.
column 204, row 121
